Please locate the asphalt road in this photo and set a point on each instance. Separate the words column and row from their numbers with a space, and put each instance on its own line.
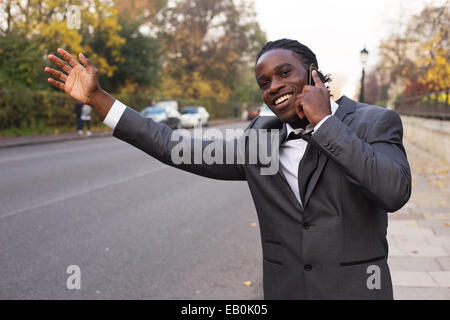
column 137, row 228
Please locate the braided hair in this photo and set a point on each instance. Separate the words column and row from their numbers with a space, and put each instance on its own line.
column 303, row 52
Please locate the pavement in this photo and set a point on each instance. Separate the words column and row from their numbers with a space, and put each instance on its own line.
column 419, row 233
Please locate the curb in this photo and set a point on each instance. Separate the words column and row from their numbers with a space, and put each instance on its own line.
column 45, row 139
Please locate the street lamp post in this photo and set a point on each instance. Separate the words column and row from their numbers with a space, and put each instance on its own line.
column 364, row 55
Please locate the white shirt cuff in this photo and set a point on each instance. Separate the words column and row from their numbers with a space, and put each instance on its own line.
column 114, row 114
column 321, row 122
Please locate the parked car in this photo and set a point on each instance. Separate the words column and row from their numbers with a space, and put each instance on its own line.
column 173, row 116
column 252, row 113
column 191, row 116
column 169, row 104
column 264, row 110
column 156, row 114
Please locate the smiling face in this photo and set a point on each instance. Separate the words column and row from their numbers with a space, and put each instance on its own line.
column 281, row 76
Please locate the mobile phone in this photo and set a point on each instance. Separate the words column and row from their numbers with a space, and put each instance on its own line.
column 310, row 79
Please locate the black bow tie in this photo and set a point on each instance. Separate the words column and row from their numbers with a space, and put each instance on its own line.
column 301, row 134
column 295, row 136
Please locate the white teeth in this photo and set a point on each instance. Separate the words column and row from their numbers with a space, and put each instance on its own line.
column 283, row 98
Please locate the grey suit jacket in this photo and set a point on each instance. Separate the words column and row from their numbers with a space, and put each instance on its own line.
column 334, row 247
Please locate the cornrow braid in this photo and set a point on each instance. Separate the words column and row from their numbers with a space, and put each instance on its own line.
column 305, row 54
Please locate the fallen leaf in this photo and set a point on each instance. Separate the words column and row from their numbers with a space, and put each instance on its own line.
column 415, row 251
column 441, row 185
column 253, row 224
column 447, row 224
column 247, row 283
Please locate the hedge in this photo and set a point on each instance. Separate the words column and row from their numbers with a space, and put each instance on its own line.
column 29, row 109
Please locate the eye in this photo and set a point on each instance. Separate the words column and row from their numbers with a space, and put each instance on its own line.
column 285, row 73
column 264, row 84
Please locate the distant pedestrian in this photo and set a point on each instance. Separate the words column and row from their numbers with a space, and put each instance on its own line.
column 86, row 117
column 244, row 111
column 77, row 111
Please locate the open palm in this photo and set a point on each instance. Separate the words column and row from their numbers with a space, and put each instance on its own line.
column 78, row 81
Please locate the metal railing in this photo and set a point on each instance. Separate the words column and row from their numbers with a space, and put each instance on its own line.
column 432, row 105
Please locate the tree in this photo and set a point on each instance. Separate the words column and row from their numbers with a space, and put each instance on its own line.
column 430, row 32
column 207, row 44
column 44, row 24
column 140, row 11
column 419, row 57
column 18, row 57
column 138, row 69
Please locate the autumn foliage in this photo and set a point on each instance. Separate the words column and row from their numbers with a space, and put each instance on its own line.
column 415, row 59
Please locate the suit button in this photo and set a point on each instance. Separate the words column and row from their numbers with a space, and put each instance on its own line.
column 308, row 267
column 306, row 226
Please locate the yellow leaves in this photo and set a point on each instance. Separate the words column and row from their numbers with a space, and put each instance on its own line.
column 46, row 24
column 247, row 283
column 57, row 34
column 171, row 87
column 102, row 65
column 434, row 58
column 193, row 86
column 129, row 87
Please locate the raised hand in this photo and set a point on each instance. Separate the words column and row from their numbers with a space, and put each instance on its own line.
column 80, row 81
column 314, row 101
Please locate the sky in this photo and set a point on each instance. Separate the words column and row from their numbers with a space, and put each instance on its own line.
column 337, row 30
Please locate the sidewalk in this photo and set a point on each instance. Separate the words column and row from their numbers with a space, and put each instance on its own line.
column 50, row 138
column 419, row 234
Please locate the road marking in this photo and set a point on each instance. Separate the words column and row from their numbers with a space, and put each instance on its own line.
column 79, row 193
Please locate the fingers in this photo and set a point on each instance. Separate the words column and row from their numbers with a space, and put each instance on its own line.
column 317, row 80
column 64, row 66
column 299, row 106
column 68, row 57
column 84, row 60
column 56, row 74
column 56, row 84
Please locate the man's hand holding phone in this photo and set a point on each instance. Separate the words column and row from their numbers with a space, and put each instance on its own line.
column 314, row 101
column 80, row 81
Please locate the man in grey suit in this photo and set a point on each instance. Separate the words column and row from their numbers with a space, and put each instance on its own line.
column 323, row 215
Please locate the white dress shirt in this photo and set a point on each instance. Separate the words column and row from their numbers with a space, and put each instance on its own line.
column 291, row 152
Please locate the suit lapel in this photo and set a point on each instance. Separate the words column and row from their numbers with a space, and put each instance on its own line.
column 346, row 106
column 306, row 168
column 274, row 123
column 310, row 177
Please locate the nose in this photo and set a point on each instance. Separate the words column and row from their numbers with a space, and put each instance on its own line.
column 276, row 85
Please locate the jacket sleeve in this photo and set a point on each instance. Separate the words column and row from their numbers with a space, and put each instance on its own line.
column 182, row 152
column 377, row 164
